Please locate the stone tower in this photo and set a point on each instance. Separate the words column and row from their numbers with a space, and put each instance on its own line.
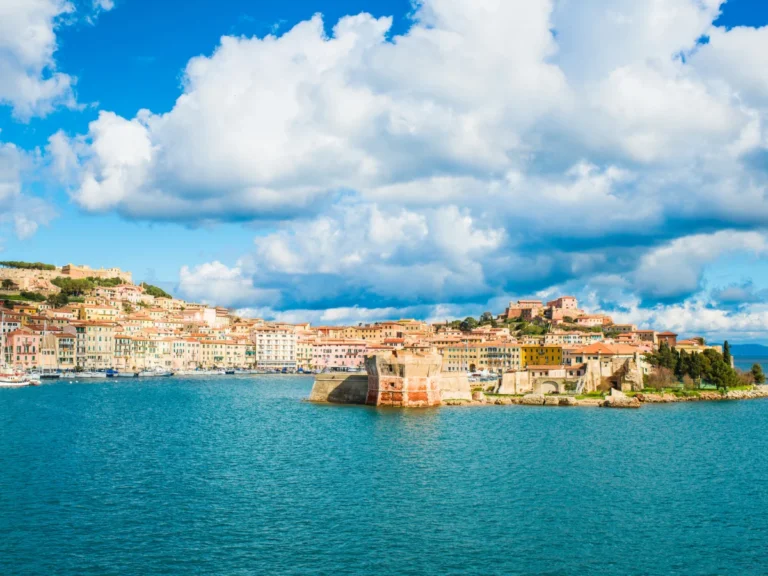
column 404, row 379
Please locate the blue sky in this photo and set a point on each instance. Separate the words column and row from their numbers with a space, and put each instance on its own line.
column 436, row 164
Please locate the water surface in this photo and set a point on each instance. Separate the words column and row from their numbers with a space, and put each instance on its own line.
column 239, row 476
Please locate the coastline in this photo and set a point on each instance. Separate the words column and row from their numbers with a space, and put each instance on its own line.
column 615, row 401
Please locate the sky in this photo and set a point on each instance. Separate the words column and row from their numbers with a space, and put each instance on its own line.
column 357, row 160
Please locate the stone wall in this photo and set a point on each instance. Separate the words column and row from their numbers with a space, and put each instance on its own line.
column 455, row 386
column 404, row 379
column 515, row 383
column 340, row 388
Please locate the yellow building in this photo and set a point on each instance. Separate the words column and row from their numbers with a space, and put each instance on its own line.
column 478, row 357
column 99, row 313
column 541, row 355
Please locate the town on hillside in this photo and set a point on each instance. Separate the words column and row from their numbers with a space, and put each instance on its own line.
column 75, row 318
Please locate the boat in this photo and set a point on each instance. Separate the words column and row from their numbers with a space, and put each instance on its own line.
column 229, row 372
column 89, row 375
column 157, row 373
column 127, row 375
column 14, row 379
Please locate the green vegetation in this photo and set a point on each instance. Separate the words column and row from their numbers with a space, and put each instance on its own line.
column 111, row 282
column 709, row 366
column 27, row 265
column 72, row 287
column 58, row 300
column 757, row 374
column 8, row 284
column 160, row 293
column 32, row 296
column 81, row 286
column 598, row 395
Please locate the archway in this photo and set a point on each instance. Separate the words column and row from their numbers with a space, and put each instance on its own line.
column 549, row 388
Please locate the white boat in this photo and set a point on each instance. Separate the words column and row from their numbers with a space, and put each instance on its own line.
column 155, row 373
column 14, row 379
column 88, row 375
column 127, row 375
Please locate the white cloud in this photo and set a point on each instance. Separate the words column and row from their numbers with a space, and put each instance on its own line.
column 30, row 82
column 215, row 283
column 698, row 316
column 497, row 145
column 676, row 268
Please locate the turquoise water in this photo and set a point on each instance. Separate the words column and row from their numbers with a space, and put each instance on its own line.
column 238, row 476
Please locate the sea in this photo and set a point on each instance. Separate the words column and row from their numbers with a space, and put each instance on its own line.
column 746, row 362
column 240, row 475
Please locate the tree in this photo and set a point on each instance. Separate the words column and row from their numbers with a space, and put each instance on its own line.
column 727, row 353
column 486, row 318
column 689, row 383
column 683, row 365
column 661, row 378
column 722, row 375
column 757, row 374
column 160, row 293
column 468, row 324
column 9, row 284
column 27, row 265
column 58, row 300
column 32, row 296
column 72, row 287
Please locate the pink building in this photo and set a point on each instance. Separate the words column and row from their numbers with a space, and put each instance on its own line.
column 23, row 348
column 339, row 354
column 564, row 303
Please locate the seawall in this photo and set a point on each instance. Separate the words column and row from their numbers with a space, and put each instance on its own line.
column 352, row 388
column 340, row 388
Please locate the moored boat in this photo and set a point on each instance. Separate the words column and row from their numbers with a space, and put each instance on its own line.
column 14, row 379
column 155, row 374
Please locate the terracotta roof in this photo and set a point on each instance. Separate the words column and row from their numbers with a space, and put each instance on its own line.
column 607, row 349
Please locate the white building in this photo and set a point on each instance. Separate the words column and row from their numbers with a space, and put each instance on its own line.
column 275, row 347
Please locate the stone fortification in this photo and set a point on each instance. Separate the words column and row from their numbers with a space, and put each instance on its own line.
column 340, row 388
column 344, row 388
column 404, row 379
column 454, row 386
column 39, row 280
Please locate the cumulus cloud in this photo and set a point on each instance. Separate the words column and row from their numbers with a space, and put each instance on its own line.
column 676, row 269
column 495, row 147
column 215, row 283
column 30, row 84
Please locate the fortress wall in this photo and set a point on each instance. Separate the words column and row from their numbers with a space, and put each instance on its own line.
column 345, row 388
column 340, row 388
column 454, row 386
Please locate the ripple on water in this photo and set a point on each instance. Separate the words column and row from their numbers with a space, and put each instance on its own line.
column 238, row 476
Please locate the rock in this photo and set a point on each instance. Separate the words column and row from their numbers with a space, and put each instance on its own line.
column 478, row 397
column 533, row 400
column 551, row 401
column 568, row 401
column 619, row 402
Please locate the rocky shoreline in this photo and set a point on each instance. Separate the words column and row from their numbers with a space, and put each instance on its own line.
column 616, row 400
